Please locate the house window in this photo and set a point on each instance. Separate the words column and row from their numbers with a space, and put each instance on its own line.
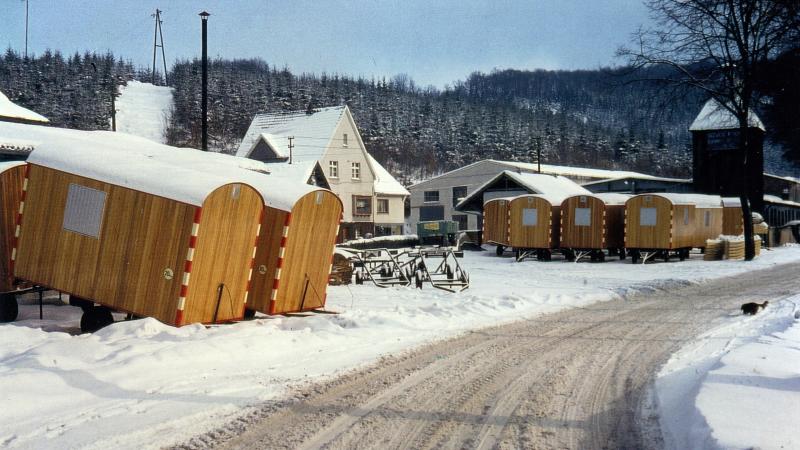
column 362, row 206
column 428, row 213
column 333, row 169
column 462, row 221
column 356, row 169
column 344, row 140
column 383, row 206
column 431, row 196
column 83, row 213
column 459, row 193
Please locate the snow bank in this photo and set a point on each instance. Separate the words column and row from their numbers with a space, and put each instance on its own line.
column 144, row 110
column 737, row 386
column 142, row 384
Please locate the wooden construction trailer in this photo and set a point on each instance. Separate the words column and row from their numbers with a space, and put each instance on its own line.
column 495, row 223
column 709, row 218
column 732, row 222
column 12, row 175
column 667, row 225
column 294, row 251
column 534, row 225
column 108, row 220
column 591, row 224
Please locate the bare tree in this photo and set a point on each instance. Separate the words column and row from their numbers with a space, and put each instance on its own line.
column 720, row 47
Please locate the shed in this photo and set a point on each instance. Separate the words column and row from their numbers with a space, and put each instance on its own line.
column 534, row 223
column 495, row 222
column 593, row 223
column 125, row 222
column 664, row 223
column 12, row 175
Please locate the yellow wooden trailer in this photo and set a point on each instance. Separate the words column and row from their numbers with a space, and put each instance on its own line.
column 128, row 224
column 495, row 223
column 591, row 224
column 12, row 175
column 669, row 225
column 534, row 225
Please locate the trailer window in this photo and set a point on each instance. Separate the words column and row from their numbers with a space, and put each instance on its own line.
column 583, row 217
column 530, row 217
column 647, row 217
column 707, row 218
column 686, row 216
column 83, row 213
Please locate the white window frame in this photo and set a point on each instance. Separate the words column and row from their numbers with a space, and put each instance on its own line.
column 355, row 171
column 344, row 140
column 380, row 202
column 84, row 210
column 333, row 169
column 530, row 217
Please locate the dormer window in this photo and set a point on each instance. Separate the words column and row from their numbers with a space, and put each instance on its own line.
column 344, row 140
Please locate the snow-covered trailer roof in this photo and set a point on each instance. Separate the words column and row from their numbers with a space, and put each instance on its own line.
column 181, row 174
column 5, row 165
column 699, row 200
column 612, row 198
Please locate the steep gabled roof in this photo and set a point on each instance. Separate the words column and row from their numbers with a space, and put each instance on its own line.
column 554, row 188
column 384, row 181
column 714, row 116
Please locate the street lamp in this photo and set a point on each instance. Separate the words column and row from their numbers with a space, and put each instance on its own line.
column 204, row 104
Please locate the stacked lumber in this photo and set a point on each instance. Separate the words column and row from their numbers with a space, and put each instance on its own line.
column 715, row 250
column 342, row 272
column 734, row 249
column 760, row 228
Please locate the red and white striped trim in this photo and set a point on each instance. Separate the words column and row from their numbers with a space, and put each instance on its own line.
column 253, row 261
column 187, row 268
column 18, row 224
column 330, row 270
column 281, row 253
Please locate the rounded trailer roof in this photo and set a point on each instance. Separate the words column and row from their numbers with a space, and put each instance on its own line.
column 609, row 198
column 554, row 200
column 699, row 200
column 507, row 199
column 180, row 174
column 6, row 165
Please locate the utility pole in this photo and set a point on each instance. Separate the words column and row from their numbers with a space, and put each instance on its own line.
column 26, row 29
column 158, row 34
column 291, row 146
column 204, row 103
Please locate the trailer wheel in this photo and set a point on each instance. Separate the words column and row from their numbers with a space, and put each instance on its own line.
column 621, row 254
column 249, row 313
column 601, row 256
column 569, row 255
column 9, row 310
column 81, row 303
column 548, row 255
column 499, row 250
column 682, row 254
column 634, row 256
column 96, row 318
column 666, row 255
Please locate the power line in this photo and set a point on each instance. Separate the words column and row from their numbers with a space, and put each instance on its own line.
column 158, row 33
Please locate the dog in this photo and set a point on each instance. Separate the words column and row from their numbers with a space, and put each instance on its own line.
column 752, row 308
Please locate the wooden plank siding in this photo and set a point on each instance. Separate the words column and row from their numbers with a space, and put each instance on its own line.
column 10, row 195
column 674, row 227
column 495, row 221
column 584, row 236
column 732, row 222
column 305, row 261
column 224, row 254
column 142, row 237
column 708, row 225
column 544, row 234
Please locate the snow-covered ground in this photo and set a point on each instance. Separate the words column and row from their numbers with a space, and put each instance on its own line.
column 736, row 387
column 142, row 384
column 144, row 110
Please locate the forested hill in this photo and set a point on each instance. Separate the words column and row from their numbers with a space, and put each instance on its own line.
column 584, row 118
column 571, row 117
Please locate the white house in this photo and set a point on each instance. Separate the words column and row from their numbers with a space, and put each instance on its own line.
column 326, row 143
column 17, row 149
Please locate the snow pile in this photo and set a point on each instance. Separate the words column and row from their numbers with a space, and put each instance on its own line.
column 155, row 385
column 144, row 110
column 737, row 386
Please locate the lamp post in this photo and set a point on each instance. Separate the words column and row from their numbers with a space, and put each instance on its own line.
column 204, row 103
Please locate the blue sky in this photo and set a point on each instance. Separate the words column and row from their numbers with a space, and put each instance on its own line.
column 433, row 41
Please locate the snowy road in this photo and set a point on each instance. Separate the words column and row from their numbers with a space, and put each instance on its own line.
column 573, row 379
